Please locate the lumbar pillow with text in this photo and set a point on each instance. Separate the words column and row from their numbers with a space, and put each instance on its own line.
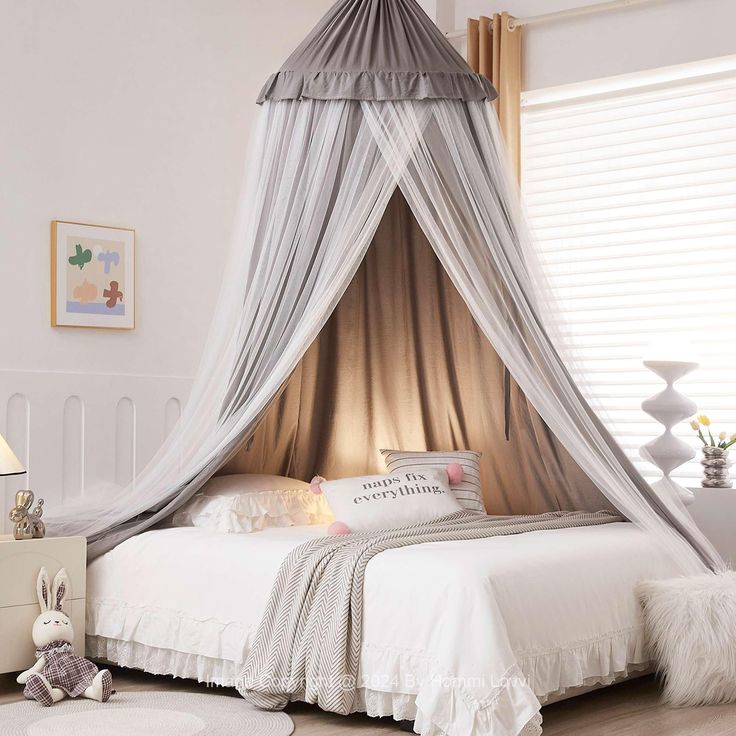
column 467, row 492
column 375, row 502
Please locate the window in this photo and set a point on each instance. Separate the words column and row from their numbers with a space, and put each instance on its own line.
column 630, row 186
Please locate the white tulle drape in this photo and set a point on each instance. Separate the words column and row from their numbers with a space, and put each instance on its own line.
column 320, row 176
column 315, row 191
column 451, row 168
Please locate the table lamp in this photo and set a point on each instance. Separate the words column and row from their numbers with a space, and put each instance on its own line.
column 27, row 522
column 9, row 463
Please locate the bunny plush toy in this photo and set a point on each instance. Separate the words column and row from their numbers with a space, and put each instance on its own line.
column 59, row 672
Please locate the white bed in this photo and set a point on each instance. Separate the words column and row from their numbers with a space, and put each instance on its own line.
column 187, row 602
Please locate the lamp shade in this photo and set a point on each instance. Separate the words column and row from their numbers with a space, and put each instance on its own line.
column 9, row 463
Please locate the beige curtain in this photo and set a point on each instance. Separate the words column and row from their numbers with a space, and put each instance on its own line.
column 494, row 50
column 402, row 364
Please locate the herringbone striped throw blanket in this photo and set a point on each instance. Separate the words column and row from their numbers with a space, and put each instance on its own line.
column 307, row 646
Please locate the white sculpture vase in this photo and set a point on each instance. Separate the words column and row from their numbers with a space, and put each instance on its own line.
column 669, row 407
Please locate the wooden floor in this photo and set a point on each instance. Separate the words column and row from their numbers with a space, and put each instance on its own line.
column 629, row 709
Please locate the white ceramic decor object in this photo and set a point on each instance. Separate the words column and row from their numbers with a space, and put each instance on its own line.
column 669, row 407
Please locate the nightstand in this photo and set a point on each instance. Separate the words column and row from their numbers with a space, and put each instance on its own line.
column 714, row 511
column 20, row 561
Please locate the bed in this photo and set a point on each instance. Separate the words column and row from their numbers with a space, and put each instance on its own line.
column 560, row 603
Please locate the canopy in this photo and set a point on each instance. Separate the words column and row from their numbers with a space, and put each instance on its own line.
column 376, row 51
column 374, row 101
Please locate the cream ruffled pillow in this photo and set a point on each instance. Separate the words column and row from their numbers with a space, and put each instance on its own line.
column 239, row 504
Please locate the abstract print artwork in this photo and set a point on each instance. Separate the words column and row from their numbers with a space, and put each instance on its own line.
column 92, row 276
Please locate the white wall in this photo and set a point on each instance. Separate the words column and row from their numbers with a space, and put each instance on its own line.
column 442, row 12
column 662, row 33
column 130, row 113
column 136, row 114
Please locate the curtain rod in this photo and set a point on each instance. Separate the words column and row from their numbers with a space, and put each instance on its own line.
column 534, row 20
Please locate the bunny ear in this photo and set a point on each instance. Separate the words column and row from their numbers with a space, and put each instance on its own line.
column 61, row 588
column 43, row 590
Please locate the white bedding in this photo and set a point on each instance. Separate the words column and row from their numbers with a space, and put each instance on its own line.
column 460, row 636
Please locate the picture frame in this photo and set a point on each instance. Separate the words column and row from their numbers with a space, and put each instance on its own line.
column 92, row 276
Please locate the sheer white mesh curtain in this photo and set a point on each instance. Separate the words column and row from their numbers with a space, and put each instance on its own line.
column 342, row 125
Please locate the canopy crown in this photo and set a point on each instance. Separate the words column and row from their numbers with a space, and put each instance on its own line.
column 376, row 50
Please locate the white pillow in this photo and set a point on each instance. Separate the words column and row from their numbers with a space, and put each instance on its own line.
column 240, row 504
column 468, row 493
column 375, row 502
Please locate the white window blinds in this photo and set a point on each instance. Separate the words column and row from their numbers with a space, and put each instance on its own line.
column 630, row 185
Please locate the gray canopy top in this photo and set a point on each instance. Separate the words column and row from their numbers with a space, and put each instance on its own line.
column 376, row 50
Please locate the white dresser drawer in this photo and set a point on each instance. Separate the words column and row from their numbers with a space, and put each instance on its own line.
column 16, row 622
column 714, row 511
column 20, row 562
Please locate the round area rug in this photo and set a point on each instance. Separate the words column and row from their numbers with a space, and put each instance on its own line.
column 144, row 714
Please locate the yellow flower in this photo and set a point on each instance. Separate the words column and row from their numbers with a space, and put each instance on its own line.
column 704, row 420
column 732, row 437
column 722, row 436
column 695, row 425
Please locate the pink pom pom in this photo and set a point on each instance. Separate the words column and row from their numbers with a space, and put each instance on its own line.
column 314, row 485
column 338, row 527
column 455, row 474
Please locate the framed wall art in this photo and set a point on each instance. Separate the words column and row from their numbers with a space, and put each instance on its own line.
column 92, row 276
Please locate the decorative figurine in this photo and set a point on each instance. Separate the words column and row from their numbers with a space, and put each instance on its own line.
column 39, row 528
column 27, row 523
column 59, row 672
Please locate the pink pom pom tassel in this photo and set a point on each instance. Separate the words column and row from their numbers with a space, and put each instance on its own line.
column 455, row 474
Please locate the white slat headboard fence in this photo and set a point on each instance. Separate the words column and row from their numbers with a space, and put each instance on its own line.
column 73, row 431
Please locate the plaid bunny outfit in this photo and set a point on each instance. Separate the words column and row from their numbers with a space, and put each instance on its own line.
column 63, row 669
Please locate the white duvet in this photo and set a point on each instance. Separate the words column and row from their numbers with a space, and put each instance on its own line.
column 463, row 637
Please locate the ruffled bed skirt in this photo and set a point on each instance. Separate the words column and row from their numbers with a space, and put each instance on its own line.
column 600, row 661
column 408, row 688
column 441, row 702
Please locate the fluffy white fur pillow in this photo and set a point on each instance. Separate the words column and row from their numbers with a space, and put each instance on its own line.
column 691, row 628
column 243, row 503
